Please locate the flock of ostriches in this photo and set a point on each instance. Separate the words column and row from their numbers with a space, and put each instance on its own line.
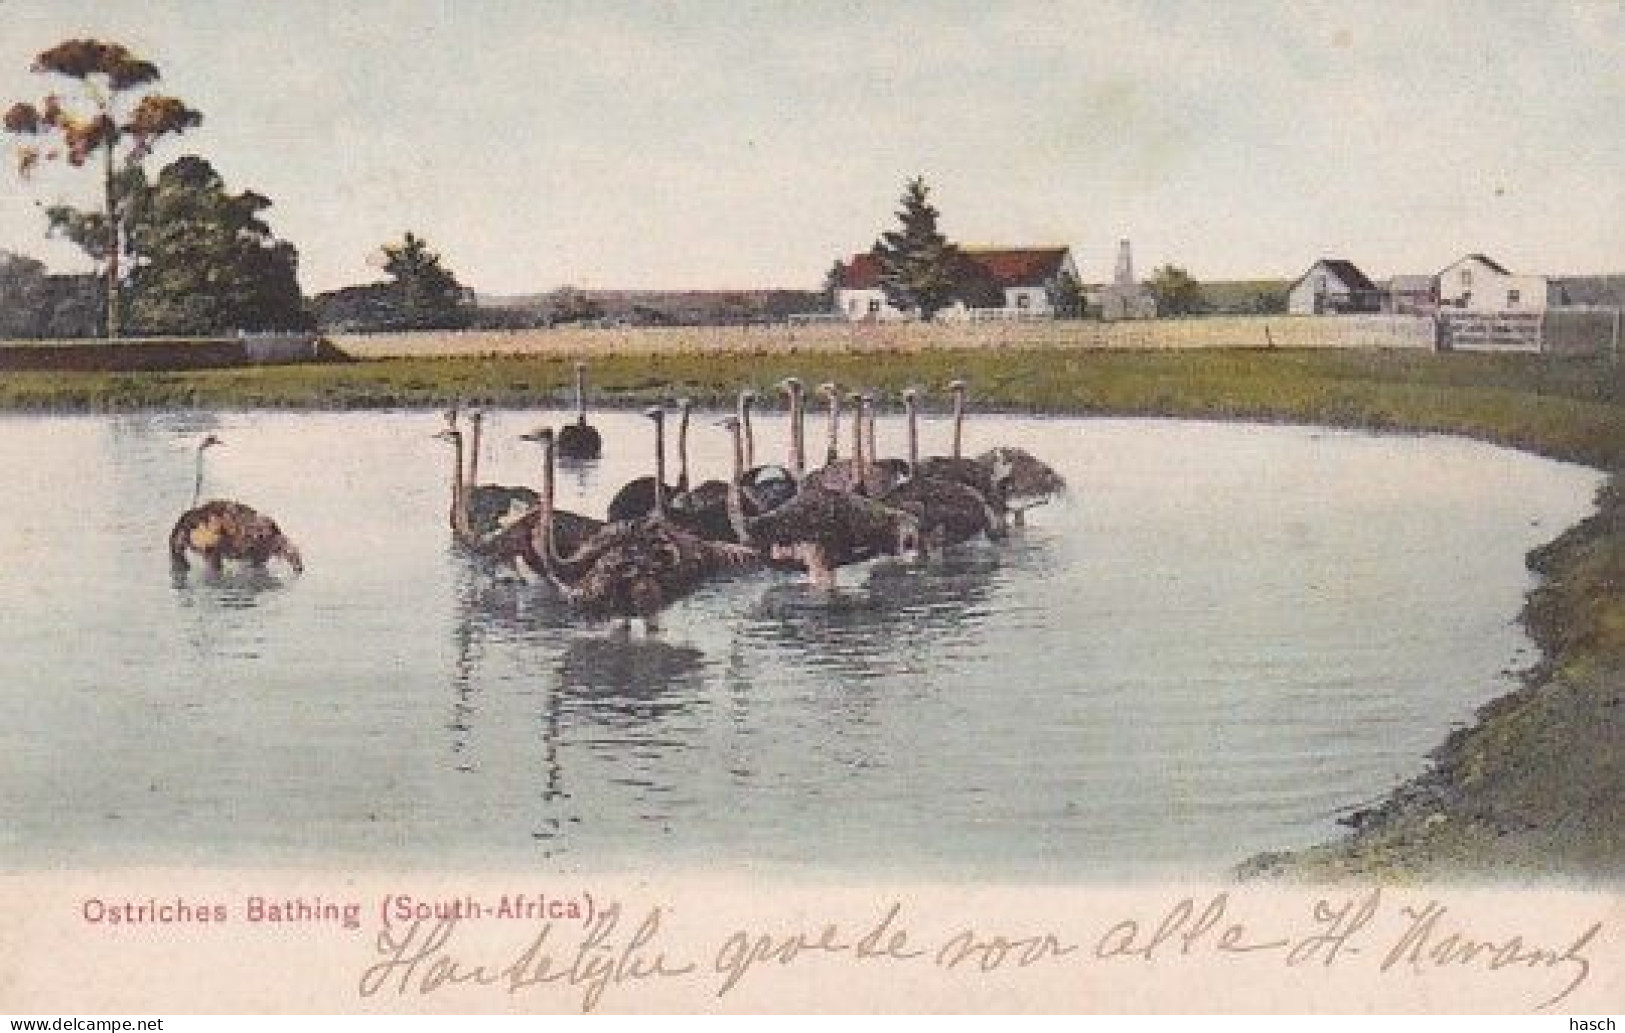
column 659, row 541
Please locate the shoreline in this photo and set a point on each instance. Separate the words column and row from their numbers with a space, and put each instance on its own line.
column 1534, row 788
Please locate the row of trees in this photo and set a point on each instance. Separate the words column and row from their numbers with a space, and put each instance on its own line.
column 179, row 253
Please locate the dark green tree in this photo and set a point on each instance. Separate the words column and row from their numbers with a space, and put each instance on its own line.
column 1176, row 293
column 206, row 261
column 103, row 117
column 427, row 294
column 831, row 290
column 1066, row 296
column 920, row 270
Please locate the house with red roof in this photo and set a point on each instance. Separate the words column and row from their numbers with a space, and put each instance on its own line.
column 1016, row 283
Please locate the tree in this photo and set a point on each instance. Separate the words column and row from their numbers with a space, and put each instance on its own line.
column 1066, row 296
column 205, row 259
column 831, row 290
column 427, row 294
column 919, row 268
column 1176, row 293
column 99, row 119
column 23, row 295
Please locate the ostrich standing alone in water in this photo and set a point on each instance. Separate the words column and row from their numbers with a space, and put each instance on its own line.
column 579, row 440
column 221, row 530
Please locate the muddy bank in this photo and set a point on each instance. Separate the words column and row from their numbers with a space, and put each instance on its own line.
column 1535, row 789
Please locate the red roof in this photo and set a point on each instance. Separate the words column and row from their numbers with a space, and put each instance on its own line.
column 1009, row 266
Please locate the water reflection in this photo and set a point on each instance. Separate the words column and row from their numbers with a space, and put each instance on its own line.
column 893, row 622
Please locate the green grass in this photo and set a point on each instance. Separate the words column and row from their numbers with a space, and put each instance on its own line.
column 1572, row 409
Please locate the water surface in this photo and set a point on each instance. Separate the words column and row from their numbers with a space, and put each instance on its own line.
column 1228, row 636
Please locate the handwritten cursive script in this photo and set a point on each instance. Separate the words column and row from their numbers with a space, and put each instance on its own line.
column 1362, row 929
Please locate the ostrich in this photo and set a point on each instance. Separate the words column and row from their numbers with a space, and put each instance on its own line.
column 891, row 470
column 949, row 512
column 487, row 507
column 633, row 568
column 495, row 540
column 221, row 530
column 580, row 441
column 570, row 530
column 769, row 485
column 859, row 473
column 796, row 395
column 819, row 529
column 984, row 479
column 1013, row 480
column 1026, row 481
column 644, row 495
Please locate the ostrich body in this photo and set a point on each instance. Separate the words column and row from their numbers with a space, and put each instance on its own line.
column 580, row 441
column 221, row 530
column 820, row 529
column 632, row 568
column 1025, row 480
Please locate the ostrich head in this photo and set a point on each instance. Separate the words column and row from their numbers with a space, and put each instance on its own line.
column 791, row 386
column 209, row 441
column 829, row 390
column 956, row 386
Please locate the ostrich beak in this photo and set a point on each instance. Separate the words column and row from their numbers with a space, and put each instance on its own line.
column 539, row 434
column 655, row 412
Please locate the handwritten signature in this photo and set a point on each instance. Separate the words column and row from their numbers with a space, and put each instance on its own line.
column 616, row 951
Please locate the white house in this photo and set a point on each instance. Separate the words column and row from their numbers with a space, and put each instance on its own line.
column 1477, row 283
column 1333, row 285
column 1024, row 277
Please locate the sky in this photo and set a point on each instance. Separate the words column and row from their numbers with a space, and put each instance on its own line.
column 726, row 145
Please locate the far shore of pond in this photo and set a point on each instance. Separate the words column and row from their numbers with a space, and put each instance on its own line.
column 1534, row 790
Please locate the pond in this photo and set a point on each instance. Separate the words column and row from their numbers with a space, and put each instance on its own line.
column 1225, row 638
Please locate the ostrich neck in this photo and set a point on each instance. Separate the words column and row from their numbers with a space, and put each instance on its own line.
column 959, row 421
column 581, row 395
column 798, row 437
column 872, row 451
column 459, row 492
column 736, row 492
column 857, row 434
column 660, row 467
column 552, row 563
column 197, row 480
column 913, row 438
column 682, row 452
column 834, row 450
column 750, row 435
column 474, row 452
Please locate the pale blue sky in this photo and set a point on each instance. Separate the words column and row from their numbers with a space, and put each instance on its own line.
column 714, row 145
